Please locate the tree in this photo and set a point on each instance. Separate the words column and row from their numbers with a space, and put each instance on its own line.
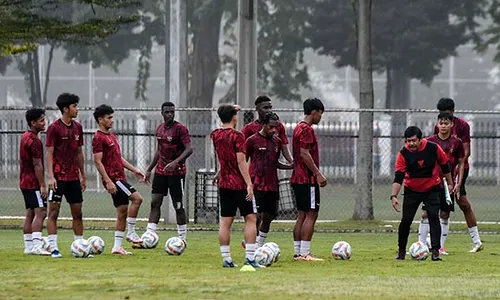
column 26, row 24
column 363, row 208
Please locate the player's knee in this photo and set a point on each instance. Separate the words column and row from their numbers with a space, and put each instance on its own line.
column 444, row 215
column 77, row 215
column 180, row 211
column 444, row 221
column 464, row 206
column 53, row 214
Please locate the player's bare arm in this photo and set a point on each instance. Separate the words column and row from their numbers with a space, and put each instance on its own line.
column 286, row 153
column 50, row 168
column 134, row 170
column 153, row 163
column 188, row 150
column 110, row 185
column 396, row 188
column 309, row 162
column 243, row 167
column 38, row 165
column 466, row 151
column 81, row 166
column 461, row 169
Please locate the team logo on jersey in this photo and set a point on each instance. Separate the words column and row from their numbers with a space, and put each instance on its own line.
column 169, row 138
column 420, row 163
column 262, row 148
column 77, row 137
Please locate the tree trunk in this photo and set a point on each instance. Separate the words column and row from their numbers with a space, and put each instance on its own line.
column 363, row 208
column 398, row 91
column 36, row 76
column 47, row 73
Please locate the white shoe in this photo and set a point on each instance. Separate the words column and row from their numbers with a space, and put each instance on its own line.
column 134, row 238
column 28, row 251
column 40, row 251
column 442, row 251
column 121, row 251
column 477, row 247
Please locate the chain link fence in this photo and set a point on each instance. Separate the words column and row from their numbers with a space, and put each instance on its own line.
column 337, row 134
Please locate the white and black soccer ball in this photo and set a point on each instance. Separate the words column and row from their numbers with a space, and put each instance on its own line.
column 175, row 246
column 276, row 249
column 342, row 250
column 264, row 256
column 80, row 248
column 150, row 239
column 96, row 245
column 419, row 251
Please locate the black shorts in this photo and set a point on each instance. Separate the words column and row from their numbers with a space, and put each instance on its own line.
column 71, row 190
column 33, row 199
column 233, row 200
column 463, row 192
column 174, row 184
column 306, row 196
column 267, row 202
column 123, row 192
column 443, row 205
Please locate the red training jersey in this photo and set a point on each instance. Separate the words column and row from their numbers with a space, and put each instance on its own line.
column 227, row 143
column 31, row 148
column 304, row 137
column 454, row 149
column 172, row 141
column 107, row 144
column 461, row 130
column 264, row 154
column 66, row 141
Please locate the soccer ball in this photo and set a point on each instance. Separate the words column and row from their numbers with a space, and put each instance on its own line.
column 341, row 250
column 46, row 244
column 419, row 251
column 276, row 249
column 149, row 239
column 80, row 248
column 96, row 245
column 264, row 256
column 175, row 246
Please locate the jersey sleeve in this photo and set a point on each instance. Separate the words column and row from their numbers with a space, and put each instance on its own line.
column 282, row 134
column 306, row 139
column 239, row 142
column 442, row 158
column 464, row 133
column 184, row 135
column 51, row 137
column 80, row 132
column 400, row 163
column 246, row 131
column 97, row 145
column 36, row 149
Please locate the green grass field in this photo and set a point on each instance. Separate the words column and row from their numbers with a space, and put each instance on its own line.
column 372, row 273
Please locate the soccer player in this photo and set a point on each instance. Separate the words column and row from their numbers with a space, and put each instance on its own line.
column 461, row 130
column 306, row 179
column 110, row 164
column 235, row 186
column 66, row 172
column 417, row 165
column 263, row 106
column 454, row 149
column 264, row 149
column 32, row 181
column 174, row 147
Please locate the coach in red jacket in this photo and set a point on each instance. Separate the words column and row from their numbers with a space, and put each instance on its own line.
column 417, row 164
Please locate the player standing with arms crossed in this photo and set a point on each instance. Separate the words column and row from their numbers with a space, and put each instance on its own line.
column 110, row 164
column 174, row 147
column 32, row 182
column 454, row 149
column 306, row 179
column 417, row 165
column 235, row 186
column 264, row 149
column 66, row 172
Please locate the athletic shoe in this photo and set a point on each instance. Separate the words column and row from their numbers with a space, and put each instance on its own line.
column 401, row 254
column 121, row 251
column 138, row 246
column 254, row 264
column 40, row 251
column 442, row 251
column 134, row 238
column 297, row 257
column 27, row 251
column 477, row 248
column 435, row 255
column 310, row 257
column 56, row 254
column 228, row 264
